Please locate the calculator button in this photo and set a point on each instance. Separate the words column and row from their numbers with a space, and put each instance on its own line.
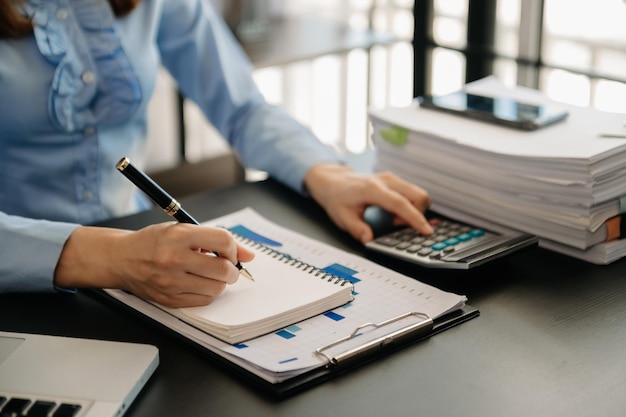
column 438, row 246
column 388, row 241
column 482, row 244
column 424, row 251
column 413, row 248
column 403, row 245
column 464, row 237
column 435, row 221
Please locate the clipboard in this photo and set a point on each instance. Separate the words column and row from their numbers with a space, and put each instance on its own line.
column 389, row 310
column 368, row 353
column 336, row 365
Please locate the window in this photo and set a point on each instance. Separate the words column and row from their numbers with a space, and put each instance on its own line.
column 573, row 50
column 328, row 92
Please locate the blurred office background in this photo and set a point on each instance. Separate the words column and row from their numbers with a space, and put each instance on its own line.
column 327, row 61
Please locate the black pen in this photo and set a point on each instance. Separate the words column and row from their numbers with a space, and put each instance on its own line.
column 163, row 199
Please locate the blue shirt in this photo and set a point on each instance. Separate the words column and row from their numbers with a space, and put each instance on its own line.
column 73, row 101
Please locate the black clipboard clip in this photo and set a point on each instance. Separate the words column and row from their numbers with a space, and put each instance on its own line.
column 416, row 330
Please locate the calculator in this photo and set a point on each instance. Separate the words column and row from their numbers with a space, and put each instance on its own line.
column 453, row 245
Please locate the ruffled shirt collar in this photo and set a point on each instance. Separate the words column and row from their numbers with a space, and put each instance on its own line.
column 94, row 82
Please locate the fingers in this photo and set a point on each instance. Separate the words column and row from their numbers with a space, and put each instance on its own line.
column 354, row 224
column 415, row 195
column 345, row 195
column 407, row 201
column 208, row 239
column 205, row 251
column 183, row 290
column 184, row 264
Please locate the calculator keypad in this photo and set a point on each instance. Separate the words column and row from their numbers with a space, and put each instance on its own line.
column 449, row 243
column 448, row 237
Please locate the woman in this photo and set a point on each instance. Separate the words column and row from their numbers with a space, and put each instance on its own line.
column 75, row 81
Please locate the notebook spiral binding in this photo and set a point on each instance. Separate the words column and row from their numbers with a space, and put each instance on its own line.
column 293, row 261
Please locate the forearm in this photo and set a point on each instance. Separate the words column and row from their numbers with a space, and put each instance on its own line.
column 218, row 77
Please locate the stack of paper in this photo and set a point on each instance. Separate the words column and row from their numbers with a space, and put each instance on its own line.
column 561, row 183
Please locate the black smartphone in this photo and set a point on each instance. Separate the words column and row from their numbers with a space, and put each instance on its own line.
column 503, row 111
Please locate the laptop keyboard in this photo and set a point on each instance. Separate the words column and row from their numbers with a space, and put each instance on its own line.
column 32, row 407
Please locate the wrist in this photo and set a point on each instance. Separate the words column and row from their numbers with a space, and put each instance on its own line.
column 320, row 176
column 89, row 259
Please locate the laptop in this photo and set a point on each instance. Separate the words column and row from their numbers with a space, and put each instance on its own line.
column 59, row 376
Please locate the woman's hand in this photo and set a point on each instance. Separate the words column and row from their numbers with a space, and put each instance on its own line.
column 170, row 263
column 345, row 195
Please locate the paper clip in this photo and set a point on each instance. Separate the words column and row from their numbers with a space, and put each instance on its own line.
column 422, row 327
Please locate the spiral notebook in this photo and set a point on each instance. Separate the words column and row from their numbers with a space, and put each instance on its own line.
column 284, row 291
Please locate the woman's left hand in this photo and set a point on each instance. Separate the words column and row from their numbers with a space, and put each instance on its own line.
column 345, row 194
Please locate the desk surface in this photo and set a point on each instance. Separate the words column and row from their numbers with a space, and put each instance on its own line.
column 550, row 340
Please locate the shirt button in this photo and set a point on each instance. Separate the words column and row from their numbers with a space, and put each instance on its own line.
column 88, row 77
column 62, row 14
column 87, row 195
column 89, row 131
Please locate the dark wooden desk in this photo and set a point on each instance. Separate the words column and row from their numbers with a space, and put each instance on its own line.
column 550, row 341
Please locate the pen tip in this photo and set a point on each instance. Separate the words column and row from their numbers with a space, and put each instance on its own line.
column 246, row 273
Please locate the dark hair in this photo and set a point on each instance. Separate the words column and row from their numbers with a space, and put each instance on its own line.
column 13, row 24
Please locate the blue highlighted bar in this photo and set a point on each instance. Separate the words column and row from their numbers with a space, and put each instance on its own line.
column 342, row 272
column 247, row 233
column 285, row 334
column 293, row 328
column 334, row 316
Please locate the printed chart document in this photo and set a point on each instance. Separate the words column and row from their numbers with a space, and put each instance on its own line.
column 379, row 295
